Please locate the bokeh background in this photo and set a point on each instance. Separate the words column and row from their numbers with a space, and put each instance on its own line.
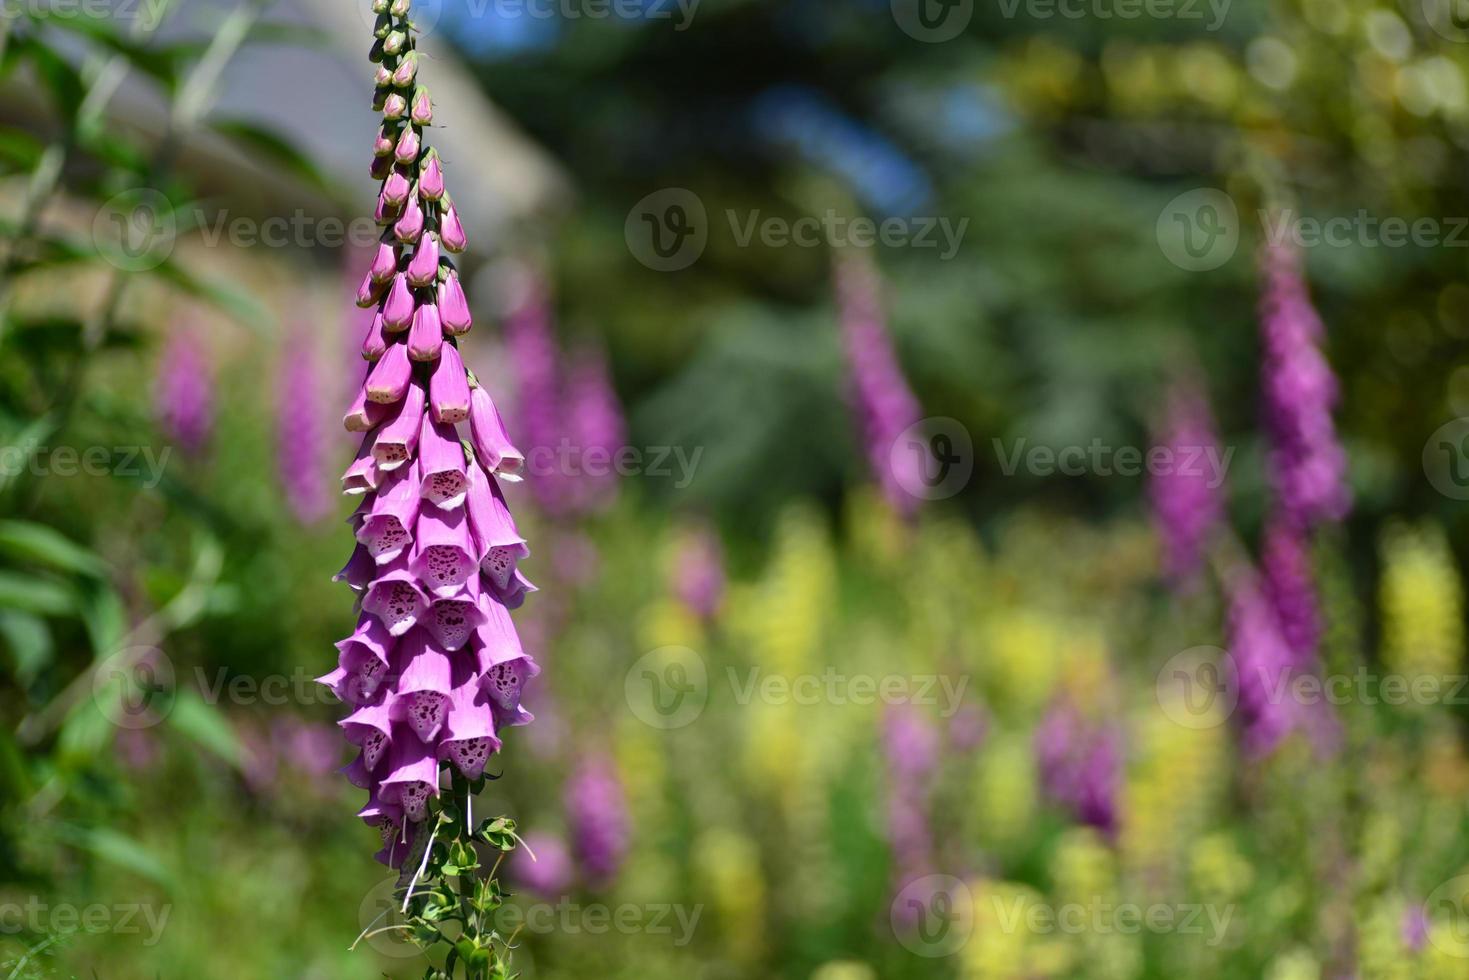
column 802, row 713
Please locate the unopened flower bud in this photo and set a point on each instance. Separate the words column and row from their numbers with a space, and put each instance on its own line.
column 410, row 225
column 427, row 335
column 406, row 71
column 406, row 151
column 369, row 292
column 394, row 42
column 423, row 106
column 394, row 106
column 423, row 268
column 451, row 231
column 395, row 189
column 431, row 178
column 453, row 307
column 398, row 310
column 384, row 75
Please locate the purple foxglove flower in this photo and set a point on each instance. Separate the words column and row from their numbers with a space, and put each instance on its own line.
column 396, row 442
column 426, row 338
column 413, row 775
column 394, row 106
column 1285, row 567
column 491, row 441
column 423, row 107
column 431, row 179
column 1415, row 928
column 544, row 866
column 699, row 571
column 300, row 433
column 396, row 600
column 388, row 381
column 423, row 268
column 1186, row 508
column 453, row 307
column 359, row 571
column 444, row 550
column 911, row 747
column 397, row 311
column 421, row 696
column 363, row 475
column 451, row 231
column 434, row 672
column 469, row 735
column 375, row 342
column 597, row 815
column 445, row 481
column 184, row 397
column 409, row 225
column 1266, row 667
column 1307, row 463
column 1080, row 765
column 530, row 342
column 453, row 619
column 594, row 420
column 386, row 529
column 449, row 387
column 883, row 402
column 968, row 728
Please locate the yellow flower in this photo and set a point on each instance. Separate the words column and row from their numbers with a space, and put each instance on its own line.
column 727, row 864
column 1174, row 781
column 1422, row 603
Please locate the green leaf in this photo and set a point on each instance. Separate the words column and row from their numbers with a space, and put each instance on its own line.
column 273, row 148
column 35, row 595
column 29, row 641
column 19, row 148
column 15, row 777
column 205, row 725
column 105, row 617
column 237, row 303
column 58, row 75
column 32, row 542
column 117, row 848
column 22, row 448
